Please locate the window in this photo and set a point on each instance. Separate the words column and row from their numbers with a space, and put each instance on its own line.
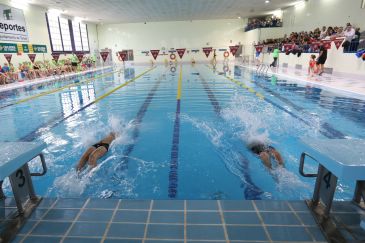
column 54, row 32
column 77, row 36
column 66, row 35
column 65, row 32
column 84, row 37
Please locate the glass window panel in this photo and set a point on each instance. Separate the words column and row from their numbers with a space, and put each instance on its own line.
column 54, row 32
column 66, row 37
column 77, row 36
column 85, row 41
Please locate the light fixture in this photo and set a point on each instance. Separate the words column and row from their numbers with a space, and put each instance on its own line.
column 267, row 1
column 78, row 19
column 54, row 12
column 22, row 4
column 239, row 17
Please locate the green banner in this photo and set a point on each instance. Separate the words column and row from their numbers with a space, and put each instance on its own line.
column 25, row 48
column 39, row 48
column 8, row 48
column 22, row 48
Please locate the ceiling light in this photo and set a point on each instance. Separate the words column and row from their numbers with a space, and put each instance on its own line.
column 54, row 12
column 239, row 17
column 267, row 1
column 78, row 19
column 22, row 4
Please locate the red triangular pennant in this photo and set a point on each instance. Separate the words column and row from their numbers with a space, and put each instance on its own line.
column 181, row 52
column 55, row 56
column 259, row 48
column 123, row 55
column 80, row 56
column 207, row 50
column 233, row 50
column 104, row 55
column 338, row 42
column 32, row 57
column 8, row 57
column 155, row 53
column 327, row 44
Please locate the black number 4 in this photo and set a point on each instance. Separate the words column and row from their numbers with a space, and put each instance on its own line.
column 327, row 179
column 19, row 174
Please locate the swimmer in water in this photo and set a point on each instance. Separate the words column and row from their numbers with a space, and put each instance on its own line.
column 95, row 152
column 265, row 152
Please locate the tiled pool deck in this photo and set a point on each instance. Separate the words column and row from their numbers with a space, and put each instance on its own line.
column 109, row 220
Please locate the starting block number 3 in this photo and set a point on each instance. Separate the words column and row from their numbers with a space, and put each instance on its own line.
column 21, row 184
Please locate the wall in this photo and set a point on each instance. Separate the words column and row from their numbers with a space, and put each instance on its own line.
column 316, row 13
column 38, row 33
column 178, row 34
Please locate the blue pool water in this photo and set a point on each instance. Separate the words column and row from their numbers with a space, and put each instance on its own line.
column 187, row 148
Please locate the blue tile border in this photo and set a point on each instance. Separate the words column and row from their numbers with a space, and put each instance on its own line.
column 70, row 203
column 102, row 203
column 232, row 205
column 168, row 205
column 202, row 205
column 203, row 218
column 272, row 205
column 165, row 231
column 125, row 230
column 88, row 229
column 283, row 233
column 167, row 217
column 135, row 204
column 279, row 218
column 254, row 233
column 203, row 232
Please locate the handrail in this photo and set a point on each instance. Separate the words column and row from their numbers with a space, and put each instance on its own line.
column 44, row 167
column 301, row 165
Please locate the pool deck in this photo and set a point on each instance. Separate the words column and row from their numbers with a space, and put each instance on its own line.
column 20, row 84
column 114, row 220
column 345, row 84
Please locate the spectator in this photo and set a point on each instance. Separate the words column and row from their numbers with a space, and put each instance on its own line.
column 349, row 34
column 323, row 33
column 321, row 59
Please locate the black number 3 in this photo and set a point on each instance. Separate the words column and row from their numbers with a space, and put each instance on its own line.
column 19, row 174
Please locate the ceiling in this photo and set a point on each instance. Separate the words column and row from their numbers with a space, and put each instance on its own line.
column 133, row 11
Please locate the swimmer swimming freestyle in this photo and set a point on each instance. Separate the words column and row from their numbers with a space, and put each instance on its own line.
column 95, row 152
column 265, row 152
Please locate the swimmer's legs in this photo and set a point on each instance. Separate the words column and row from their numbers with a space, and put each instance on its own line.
column 95, row 155
column 277, row 156
column 265, row 158
column 84, row 158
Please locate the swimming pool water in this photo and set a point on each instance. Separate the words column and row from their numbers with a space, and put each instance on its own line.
column 178, row 140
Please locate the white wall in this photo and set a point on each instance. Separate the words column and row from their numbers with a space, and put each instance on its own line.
column 179, row 34
column 38, row 33
column 318, row 13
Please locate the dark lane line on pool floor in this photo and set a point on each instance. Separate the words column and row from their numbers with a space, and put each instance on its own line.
column 326, row 128
column 251, row 192
column 60, row 118
column 174, row 161
column 137, row 123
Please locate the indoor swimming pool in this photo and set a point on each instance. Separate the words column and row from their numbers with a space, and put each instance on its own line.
column 182, row 132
